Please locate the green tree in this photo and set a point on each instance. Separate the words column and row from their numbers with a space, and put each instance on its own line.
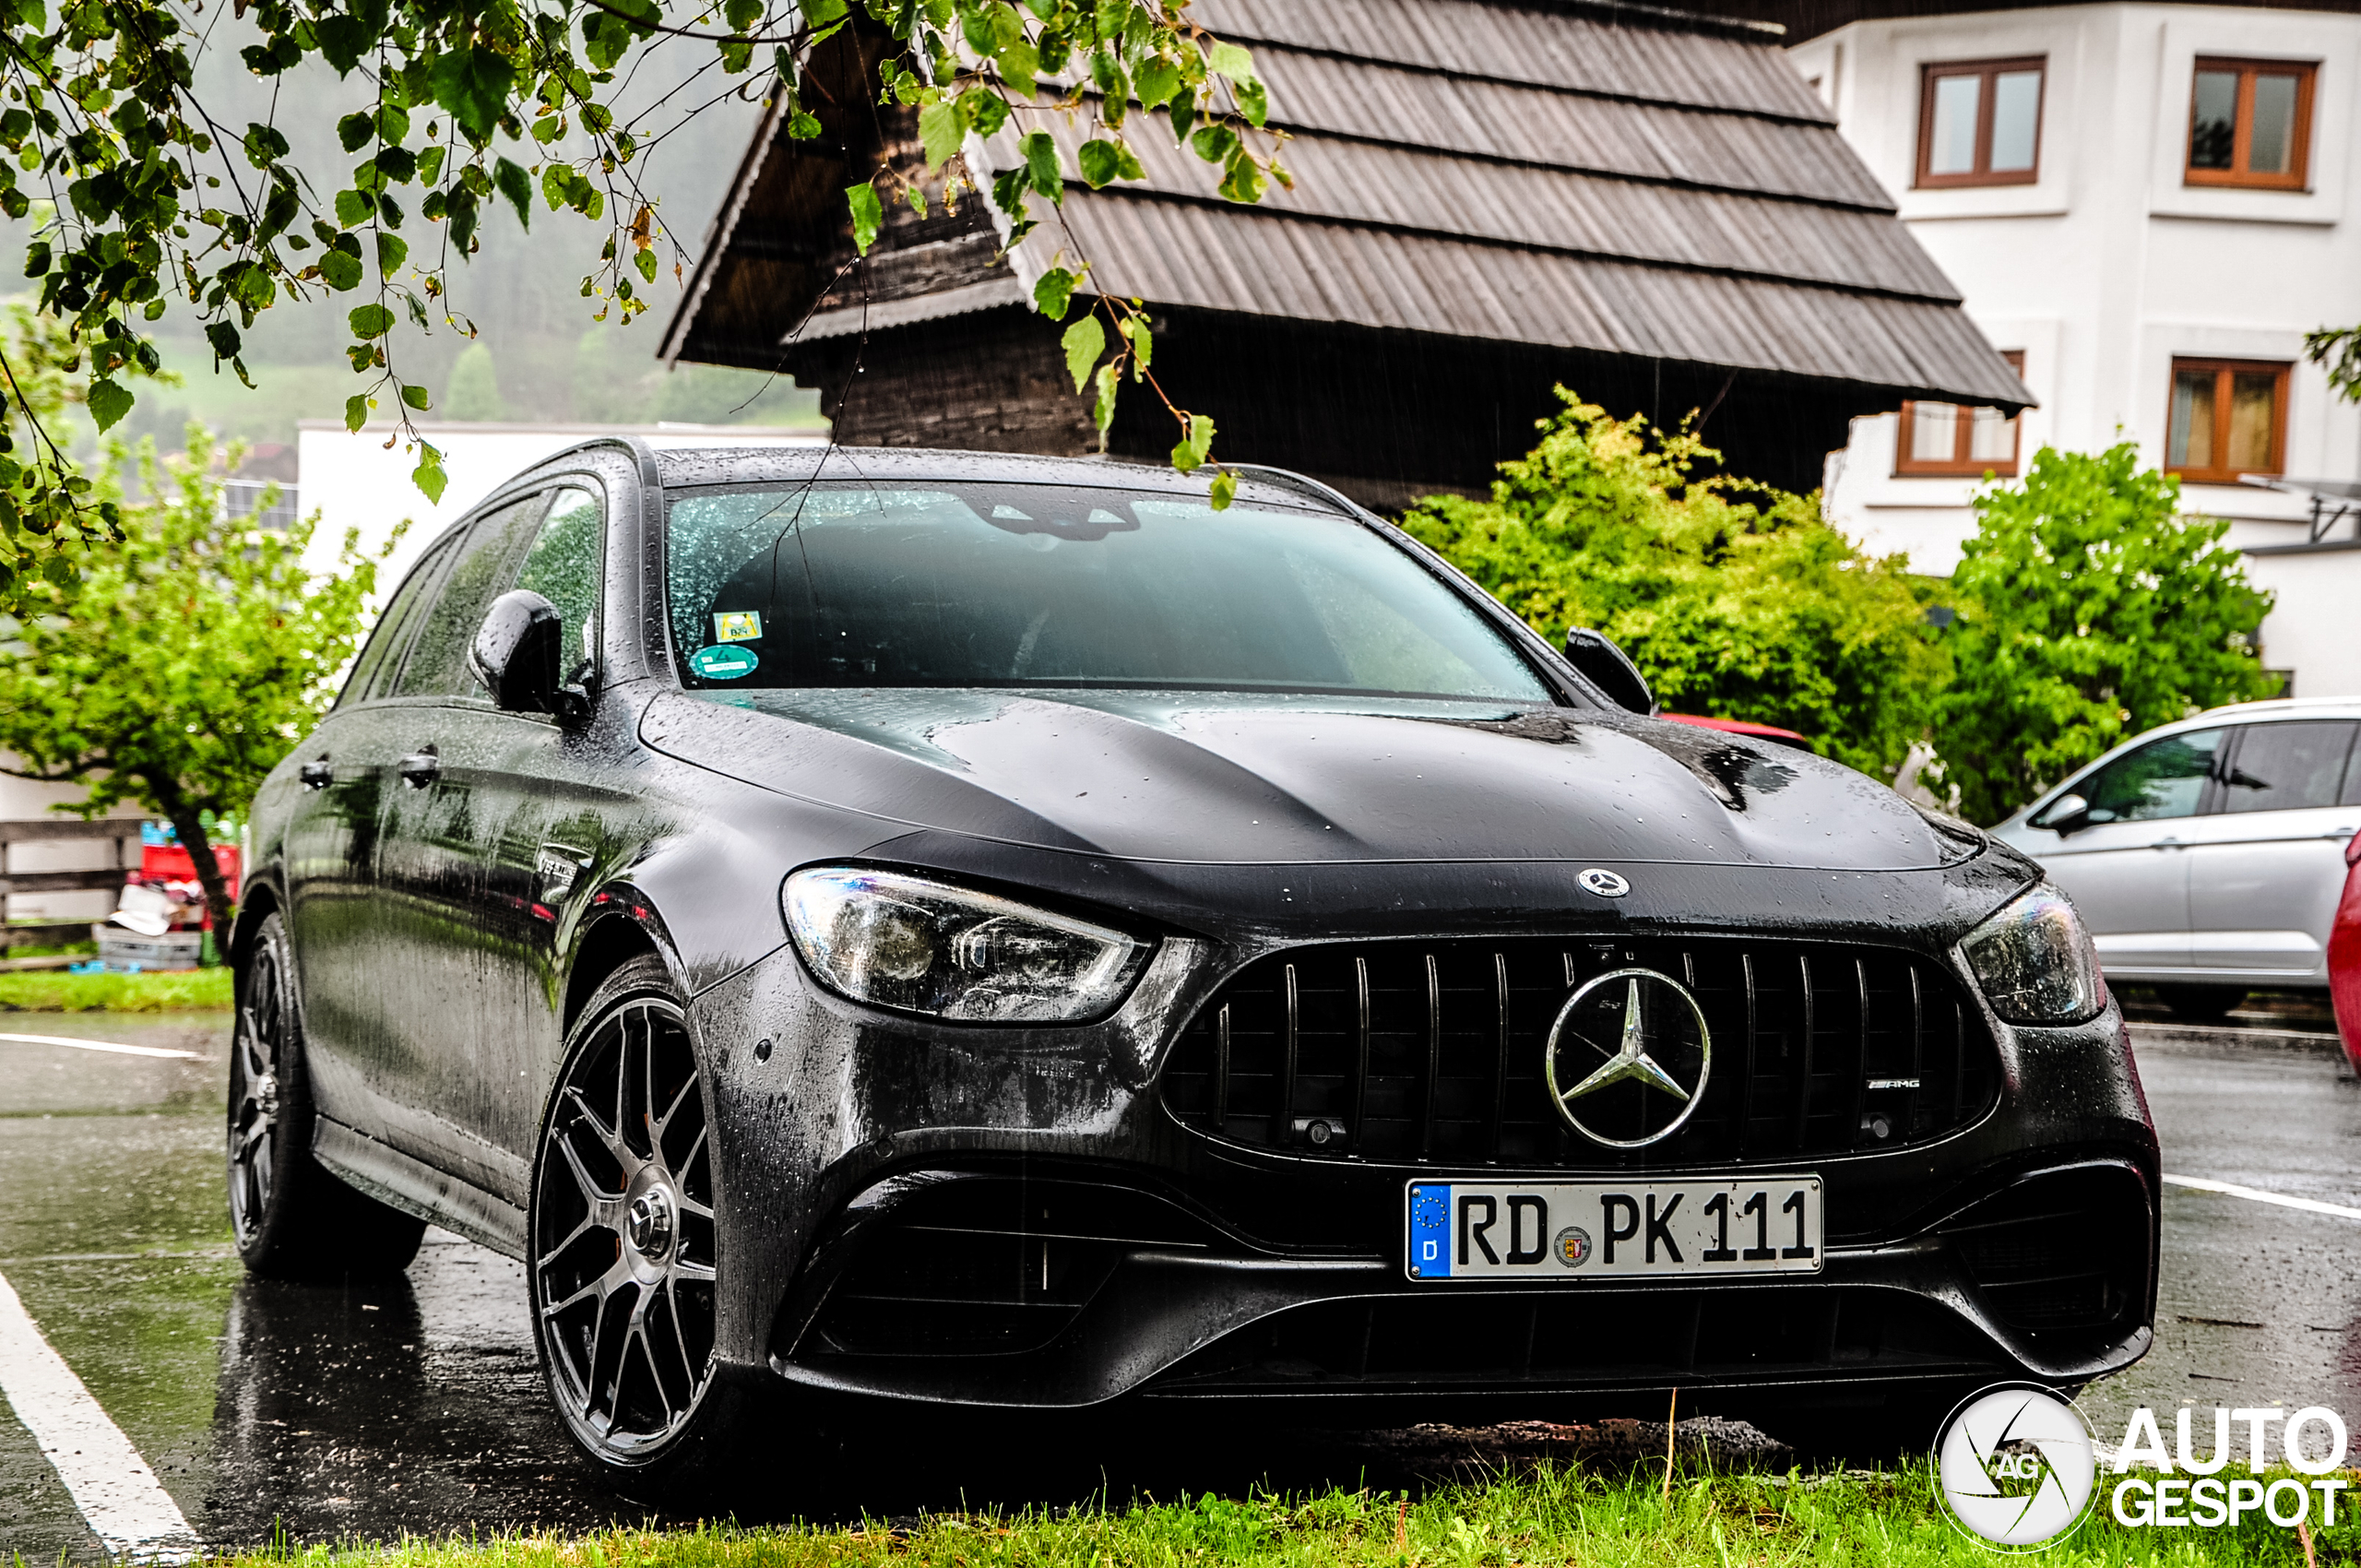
column 465, row 109
column 474, row 391
column 2337, row 351
column 607, row 389
column 2089, row 610
column 184, row 660
column 1734, row 599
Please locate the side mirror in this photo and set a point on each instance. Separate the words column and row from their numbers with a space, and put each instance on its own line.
column 1610, row 670
column 2067, row 813
column 519, row 657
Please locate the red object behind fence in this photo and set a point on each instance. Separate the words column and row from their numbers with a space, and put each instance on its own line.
column 170, row 862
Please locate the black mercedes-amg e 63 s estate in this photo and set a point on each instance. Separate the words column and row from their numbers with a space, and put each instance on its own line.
column 965, row 930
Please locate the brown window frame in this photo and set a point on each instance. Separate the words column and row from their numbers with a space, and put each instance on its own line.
column 1960, row 465
column 1982, row 175
column 2238, row 175
column 2224, row 370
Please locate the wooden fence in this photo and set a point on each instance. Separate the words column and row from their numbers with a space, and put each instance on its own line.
column 121, row 833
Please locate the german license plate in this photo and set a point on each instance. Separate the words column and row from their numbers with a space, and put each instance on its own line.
column 1499, row 1230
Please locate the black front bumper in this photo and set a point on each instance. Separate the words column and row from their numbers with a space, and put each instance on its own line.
column 917, row 1214
column 1061, row 1285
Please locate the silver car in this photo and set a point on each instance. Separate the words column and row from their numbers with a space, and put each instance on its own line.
column 2206, row 856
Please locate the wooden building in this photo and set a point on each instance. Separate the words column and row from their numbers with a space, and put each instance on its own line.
column 1492, row 200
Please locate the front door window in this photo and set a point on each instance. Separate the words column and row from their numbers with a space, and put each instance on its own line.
column 437, row 665
column 565, row 566
column 2163, row 778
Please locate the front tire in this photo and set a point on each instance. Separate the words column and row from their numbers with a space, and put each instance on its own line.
column 292, row 1218
column 623, row 1269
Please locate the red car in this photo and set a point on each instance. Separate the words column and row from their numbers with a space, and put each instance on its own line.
column 1770, row 732
column 2344, row 955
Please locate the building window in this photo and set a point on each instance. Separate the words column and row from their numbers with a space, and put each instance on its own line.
column 1944, row 438
column 2229, row 417
column 2250, row 123
column 242, row 499
column 1979, row 123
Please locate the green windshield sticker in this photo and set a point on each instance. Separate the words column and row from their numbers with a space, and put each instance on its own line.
column 722, row 663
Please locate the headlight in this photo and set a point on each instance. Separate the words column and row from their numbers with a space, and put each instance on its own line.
column 904, row 941
column 2035, row 963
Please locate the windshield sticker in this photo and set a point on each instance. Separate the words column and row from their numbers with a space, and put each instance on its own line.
column 737, row 625
column 719, row 663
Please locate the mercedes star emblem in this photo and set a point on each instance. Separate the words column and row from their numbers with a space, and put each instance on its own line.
column 1605, row 884
column 1658, row 1038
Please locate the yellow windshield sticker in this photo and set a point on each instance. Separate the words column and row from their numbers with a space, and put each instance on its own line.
column 737, row 625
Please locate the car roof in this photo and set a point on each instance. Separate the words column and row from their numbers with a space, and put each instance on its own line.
column 2282, row 707
column 2275, row 710
column 690, row 465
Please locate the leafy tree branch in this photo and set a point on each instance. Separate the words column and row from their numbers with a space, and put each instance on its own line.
column 2337, row 350
column 476, row 104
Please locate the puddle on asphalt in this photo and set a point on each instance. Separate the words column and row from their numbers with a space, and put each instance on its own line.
column 2258, row 1305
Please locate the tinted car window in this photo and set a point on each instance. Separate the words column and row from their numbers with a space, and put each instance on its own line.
column 2163, row 778
column 381, row 658
column 2282, row 768
column 437, row 665
column 1011, row 585
column 564, row 567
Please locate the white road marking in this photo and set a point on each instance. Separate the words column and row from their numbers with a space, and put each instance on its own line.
column 103, row 1045
column 111, row 1485
column 2256, row 1195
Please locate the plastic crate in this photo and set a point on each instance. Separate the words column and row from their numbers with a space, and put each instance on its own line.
column 120, row 949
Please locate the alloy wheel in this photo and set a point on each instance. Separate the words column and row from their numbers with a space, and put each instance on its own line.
column 623, row 1234
column 256, row 1056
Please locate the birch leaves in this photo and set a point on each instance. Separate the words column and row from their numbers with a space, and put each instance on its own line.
column 973, row 67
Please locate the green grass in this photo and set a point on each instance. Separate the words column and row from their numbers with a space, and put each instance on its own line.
column 1551, row 1517
column 54, row 991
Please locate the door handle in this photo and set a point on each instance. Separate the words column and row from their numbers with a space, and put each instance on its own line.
column 421, row 769
column 316, row 774
column 2168, row 844
column 2338, row 833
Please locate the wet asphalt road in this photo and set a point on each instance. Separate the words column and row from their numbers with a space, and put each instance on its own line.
column 417, row 1406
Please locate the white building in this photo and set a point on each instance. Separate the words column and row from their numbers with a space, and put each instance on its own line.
column 2149, row 205
column 361, row 478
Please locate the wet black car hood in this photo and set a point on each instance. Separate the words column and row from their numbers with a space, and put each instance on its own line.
column 1218, row 778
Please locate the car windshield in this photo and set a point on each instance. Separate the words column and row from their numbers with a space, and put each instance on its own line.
column 1016, row 584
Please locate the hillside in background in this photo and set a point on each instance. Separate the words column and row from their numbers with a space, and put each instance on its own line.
column 549, row 361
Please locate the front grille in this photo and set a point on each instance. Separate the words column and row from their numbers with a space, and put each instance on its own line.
column 2066, row 1249
column 1433, row 1051
column 1559, row 1337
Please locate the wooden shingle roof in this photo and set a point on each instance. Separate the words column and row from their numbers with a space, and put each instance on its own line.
column 1598, row 177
